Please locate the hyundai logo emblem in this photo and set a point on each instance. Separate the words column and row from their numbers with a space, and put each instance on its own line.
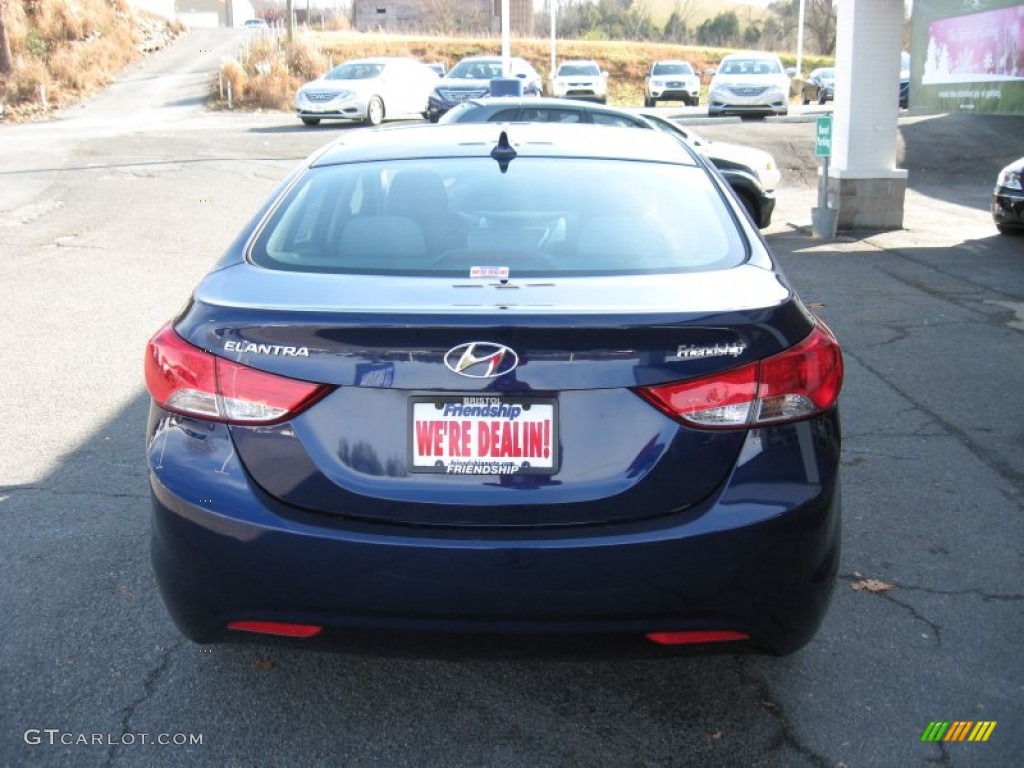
column 481, row 360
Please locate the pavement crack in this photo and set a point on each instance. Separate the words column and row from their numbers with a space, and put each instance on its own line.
column 957, row 299
column 787, row 735
column 103, row 494
column 886, row 594
column 20, row 488
column 149, row 687
column 984, row 455
column 936, row 628
column 994, row 596
column 943, row 758
column 976, row 591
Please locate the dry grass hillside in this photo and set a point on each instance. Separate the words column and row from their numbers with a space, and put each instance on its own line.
column 63, row 50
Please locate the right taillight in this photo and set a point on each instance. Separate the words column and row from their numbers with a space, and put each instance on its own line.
column 795, row 384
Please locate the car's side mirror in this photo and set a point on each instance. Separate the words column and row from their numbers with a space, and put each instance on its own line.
column 790, row 71
column 521, row 75
column 604, row 74
column 710, row 72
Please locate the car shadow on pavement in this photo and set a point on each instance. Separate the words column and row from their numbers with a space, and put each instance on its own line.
column 956, row 157
column 327, row 127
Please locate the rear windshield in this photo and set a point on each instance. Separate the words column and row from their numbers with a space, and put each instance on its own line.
column 672, row 69
column 464, row 217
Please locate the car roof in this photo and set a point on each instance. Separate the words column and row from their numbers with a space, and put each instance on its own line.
column 541, row 101
column 377, row 60
column 533, row 102
column 489, row 57
column 751, row 55
column 417, row 141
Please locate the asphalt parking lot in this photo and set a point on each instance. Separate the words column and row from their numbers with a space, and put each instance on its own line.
column 109, row 214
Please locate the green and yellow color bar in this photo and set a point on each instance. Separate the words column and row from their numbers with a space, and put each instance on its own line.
column 958, row 730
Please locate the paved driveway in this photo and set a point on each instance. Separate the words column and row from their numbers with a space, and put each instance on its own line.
column 110, row 213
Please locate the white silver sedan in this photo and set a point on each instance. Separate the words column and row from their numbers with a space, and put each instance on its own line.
column 369, row 90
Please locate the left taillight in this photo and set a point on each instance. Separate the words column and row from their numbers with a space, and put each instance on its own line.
column 795, row 384
column 184, row 379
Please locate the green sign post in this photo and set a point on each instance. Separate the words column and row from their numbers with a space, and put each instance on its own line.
column 823, row 134
column 823, row 218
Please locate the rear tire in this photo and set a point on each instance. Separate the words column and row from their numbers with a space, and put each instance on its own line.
column 310, row 120
column 375, row 111
column 821, row 98
column 806, row 101
column 649, row 102
column 750, row 205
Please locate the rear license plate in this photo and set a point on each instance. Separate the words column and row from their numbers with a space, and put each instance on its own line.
column 483, row 435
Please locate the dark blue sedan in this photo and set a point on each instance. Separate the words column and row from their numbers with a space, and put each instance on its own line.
column 480, row 380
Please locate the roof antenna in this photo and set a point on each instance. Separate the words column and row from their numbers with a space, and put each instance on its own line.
column 503, row 153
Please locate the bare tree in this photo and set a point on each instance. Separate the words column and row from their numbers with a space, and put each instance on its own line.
column 449, row 17
column 821, row 20
column 678, row 25
column 638, row 18
column 6, row 60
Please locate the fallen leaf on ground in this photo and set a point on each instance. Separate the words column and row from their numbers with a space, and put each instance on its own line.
column 264, row 664
column 871, row 585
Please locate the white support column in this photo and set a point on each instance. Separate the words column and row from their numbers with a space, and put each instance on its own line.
column 864, row 182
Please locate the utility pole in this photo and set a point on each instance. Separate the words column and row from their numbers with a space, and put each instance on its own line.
column 800, row 41
column 506, row 45
column 553, row 6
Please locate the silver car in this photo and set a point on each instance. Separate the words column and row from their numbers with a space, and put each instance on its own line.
column 368, row 90
column 749, row 83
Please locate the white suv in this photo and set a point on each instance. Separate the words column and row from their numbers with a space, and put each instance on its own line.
column 749, row 83
column 580, row 79
column 672, row 81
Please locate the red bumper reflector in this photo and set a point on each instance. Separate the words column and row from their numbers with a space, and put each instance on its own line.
column 696, row 637
column 276, row 628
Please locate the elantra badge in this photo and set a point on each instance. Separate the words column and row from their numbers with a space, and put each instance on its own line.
column 481, row 360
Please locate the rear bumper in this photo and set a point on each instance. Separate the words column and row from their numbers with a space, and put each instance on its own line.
column 759, row 557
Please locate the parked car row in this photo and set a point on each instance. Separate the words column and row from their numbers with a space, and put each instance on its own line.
column 746, row 83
